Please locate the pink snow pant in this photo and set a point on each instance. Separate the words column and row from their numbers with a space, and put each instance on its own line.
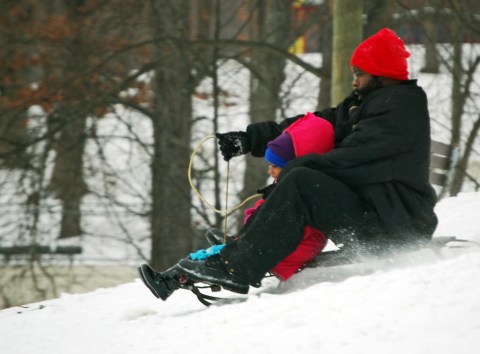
column 314, row 241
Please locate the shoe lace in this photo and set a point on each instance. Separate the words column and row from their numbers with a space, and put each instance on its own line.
column 213, row 260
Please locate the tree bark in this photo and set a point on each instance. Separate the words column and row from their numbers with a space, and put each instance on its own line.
column 267, row 76
column 432, row 64
column 171, row 231
column 69, row 117
column 67, row 180
column 379, row 14
column 347, row 35
column 325, row 93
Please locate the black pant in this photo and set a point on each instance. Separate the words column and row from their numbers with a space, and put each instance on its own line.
column 302, row 197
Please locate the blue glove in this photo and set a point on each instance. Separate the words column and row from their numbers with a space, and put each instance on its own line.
column 200, row 255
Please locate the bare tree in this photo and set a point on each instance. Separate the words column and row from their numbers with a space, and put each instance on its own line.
column 58, row 48
column 378, row 14
column 347, row 34
column 463, row 72
column 15, row 49
column 271, row 25
column 172, row 113
column 325, row 93
column 460, row 60
column 430, row 18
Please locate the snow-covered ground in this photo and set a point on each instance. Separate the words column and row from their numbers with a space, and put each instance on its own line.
column 417, row 303
column 422, row 302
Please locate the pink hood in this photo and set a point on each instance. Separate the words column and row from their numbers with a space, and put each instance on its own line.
column 311, row 135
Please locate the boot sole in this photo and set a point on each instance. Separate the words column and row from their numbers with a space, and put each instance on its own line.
column 146, row 278
column 199, row 277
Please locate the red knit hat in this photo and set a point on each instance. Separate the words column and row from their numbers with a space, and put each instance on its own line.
column 383, row 54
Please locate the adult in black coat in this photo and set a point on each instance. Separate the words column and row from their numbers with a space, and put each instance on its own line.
column 382, row 153
column 370, row 193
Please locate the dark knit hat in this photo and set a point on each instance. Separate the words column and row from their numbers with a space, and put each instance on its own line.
column 280, row 150
column 383, row 54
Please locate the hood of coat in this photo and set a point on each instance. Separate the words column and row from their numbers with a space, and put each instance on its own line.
column 308, row 135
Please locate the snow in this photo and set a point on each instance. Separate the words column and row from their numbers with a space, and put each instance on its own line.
column 423, row 302
column 418, row 302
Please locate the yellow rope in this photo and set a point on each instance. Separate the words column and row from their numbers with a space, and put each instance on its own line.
column 226, row 211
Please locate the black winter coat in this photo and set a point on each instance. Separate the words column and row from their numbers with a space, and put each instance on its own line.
column 382, row 152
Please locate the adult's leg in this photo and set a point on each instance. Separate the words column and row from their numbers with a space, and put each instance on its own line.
column 302, row 197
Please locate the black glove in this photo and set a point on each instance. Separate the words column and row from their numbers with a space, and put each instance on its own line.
column 233, row 144
column 266, row 190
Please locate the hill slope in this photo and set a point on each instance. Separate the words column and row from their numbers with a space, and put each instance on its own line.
column 421, row 302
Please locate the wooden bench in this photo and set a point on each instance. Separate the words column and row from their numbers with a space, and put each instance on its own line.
column 35, row 251
column 443, row 160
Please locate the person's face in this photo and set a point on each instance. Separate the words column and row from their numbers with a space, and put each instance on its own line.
column 274, row 171
column 364, row 83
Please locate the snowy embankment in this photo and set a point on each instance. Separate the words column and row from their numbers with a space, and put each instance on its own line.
column 420, row 302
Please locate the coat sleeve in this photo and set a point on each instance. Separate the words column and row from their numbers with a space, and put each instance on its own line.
column 261, row 133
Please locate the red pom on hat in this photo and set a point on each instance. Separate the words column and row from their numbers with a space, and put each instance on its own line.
column 383, row 54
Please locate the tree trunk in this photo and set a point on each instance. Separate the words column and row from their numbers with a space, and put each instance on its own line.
column 432, row 64
column 171, row 231
column 379, row 15
column 67, row 180
column 69, row 118
column 13, row 136
column 325, row 94
column 458, row 99
column 267, row 76
column 347, row 35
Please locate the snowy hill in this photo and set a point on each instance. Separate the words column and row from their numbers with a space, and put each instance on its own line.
column 417, row 303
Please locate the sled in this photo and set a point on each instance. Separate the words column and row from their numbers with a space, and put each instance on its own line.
column 328, row 259
column 325, row 259
column 342, row 257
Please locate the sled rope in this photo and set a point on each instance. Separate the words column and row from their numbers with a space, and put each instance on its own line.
column 226, row 204
column 226, row 211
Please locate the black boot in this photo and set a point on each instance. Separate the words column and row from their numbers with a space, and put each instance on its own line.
column 162, row 285
column 217, row 237
column 212, row 271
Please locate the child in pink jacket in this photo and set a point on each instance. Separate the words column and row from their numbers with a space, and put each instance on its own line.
column 308, row 135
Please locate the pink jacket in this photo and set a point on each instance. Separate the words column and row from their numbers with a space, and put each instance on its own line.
column 310, row 135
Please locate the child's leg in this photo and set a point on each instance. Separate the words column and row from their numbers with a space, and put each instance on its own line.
column 314, row 241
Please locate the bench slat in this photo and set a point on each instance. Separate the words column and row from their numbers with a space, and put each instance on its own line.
column 39, row 249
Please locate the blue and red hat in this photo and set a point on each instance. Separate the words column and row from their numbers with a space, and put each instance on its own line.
column 280, row 150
